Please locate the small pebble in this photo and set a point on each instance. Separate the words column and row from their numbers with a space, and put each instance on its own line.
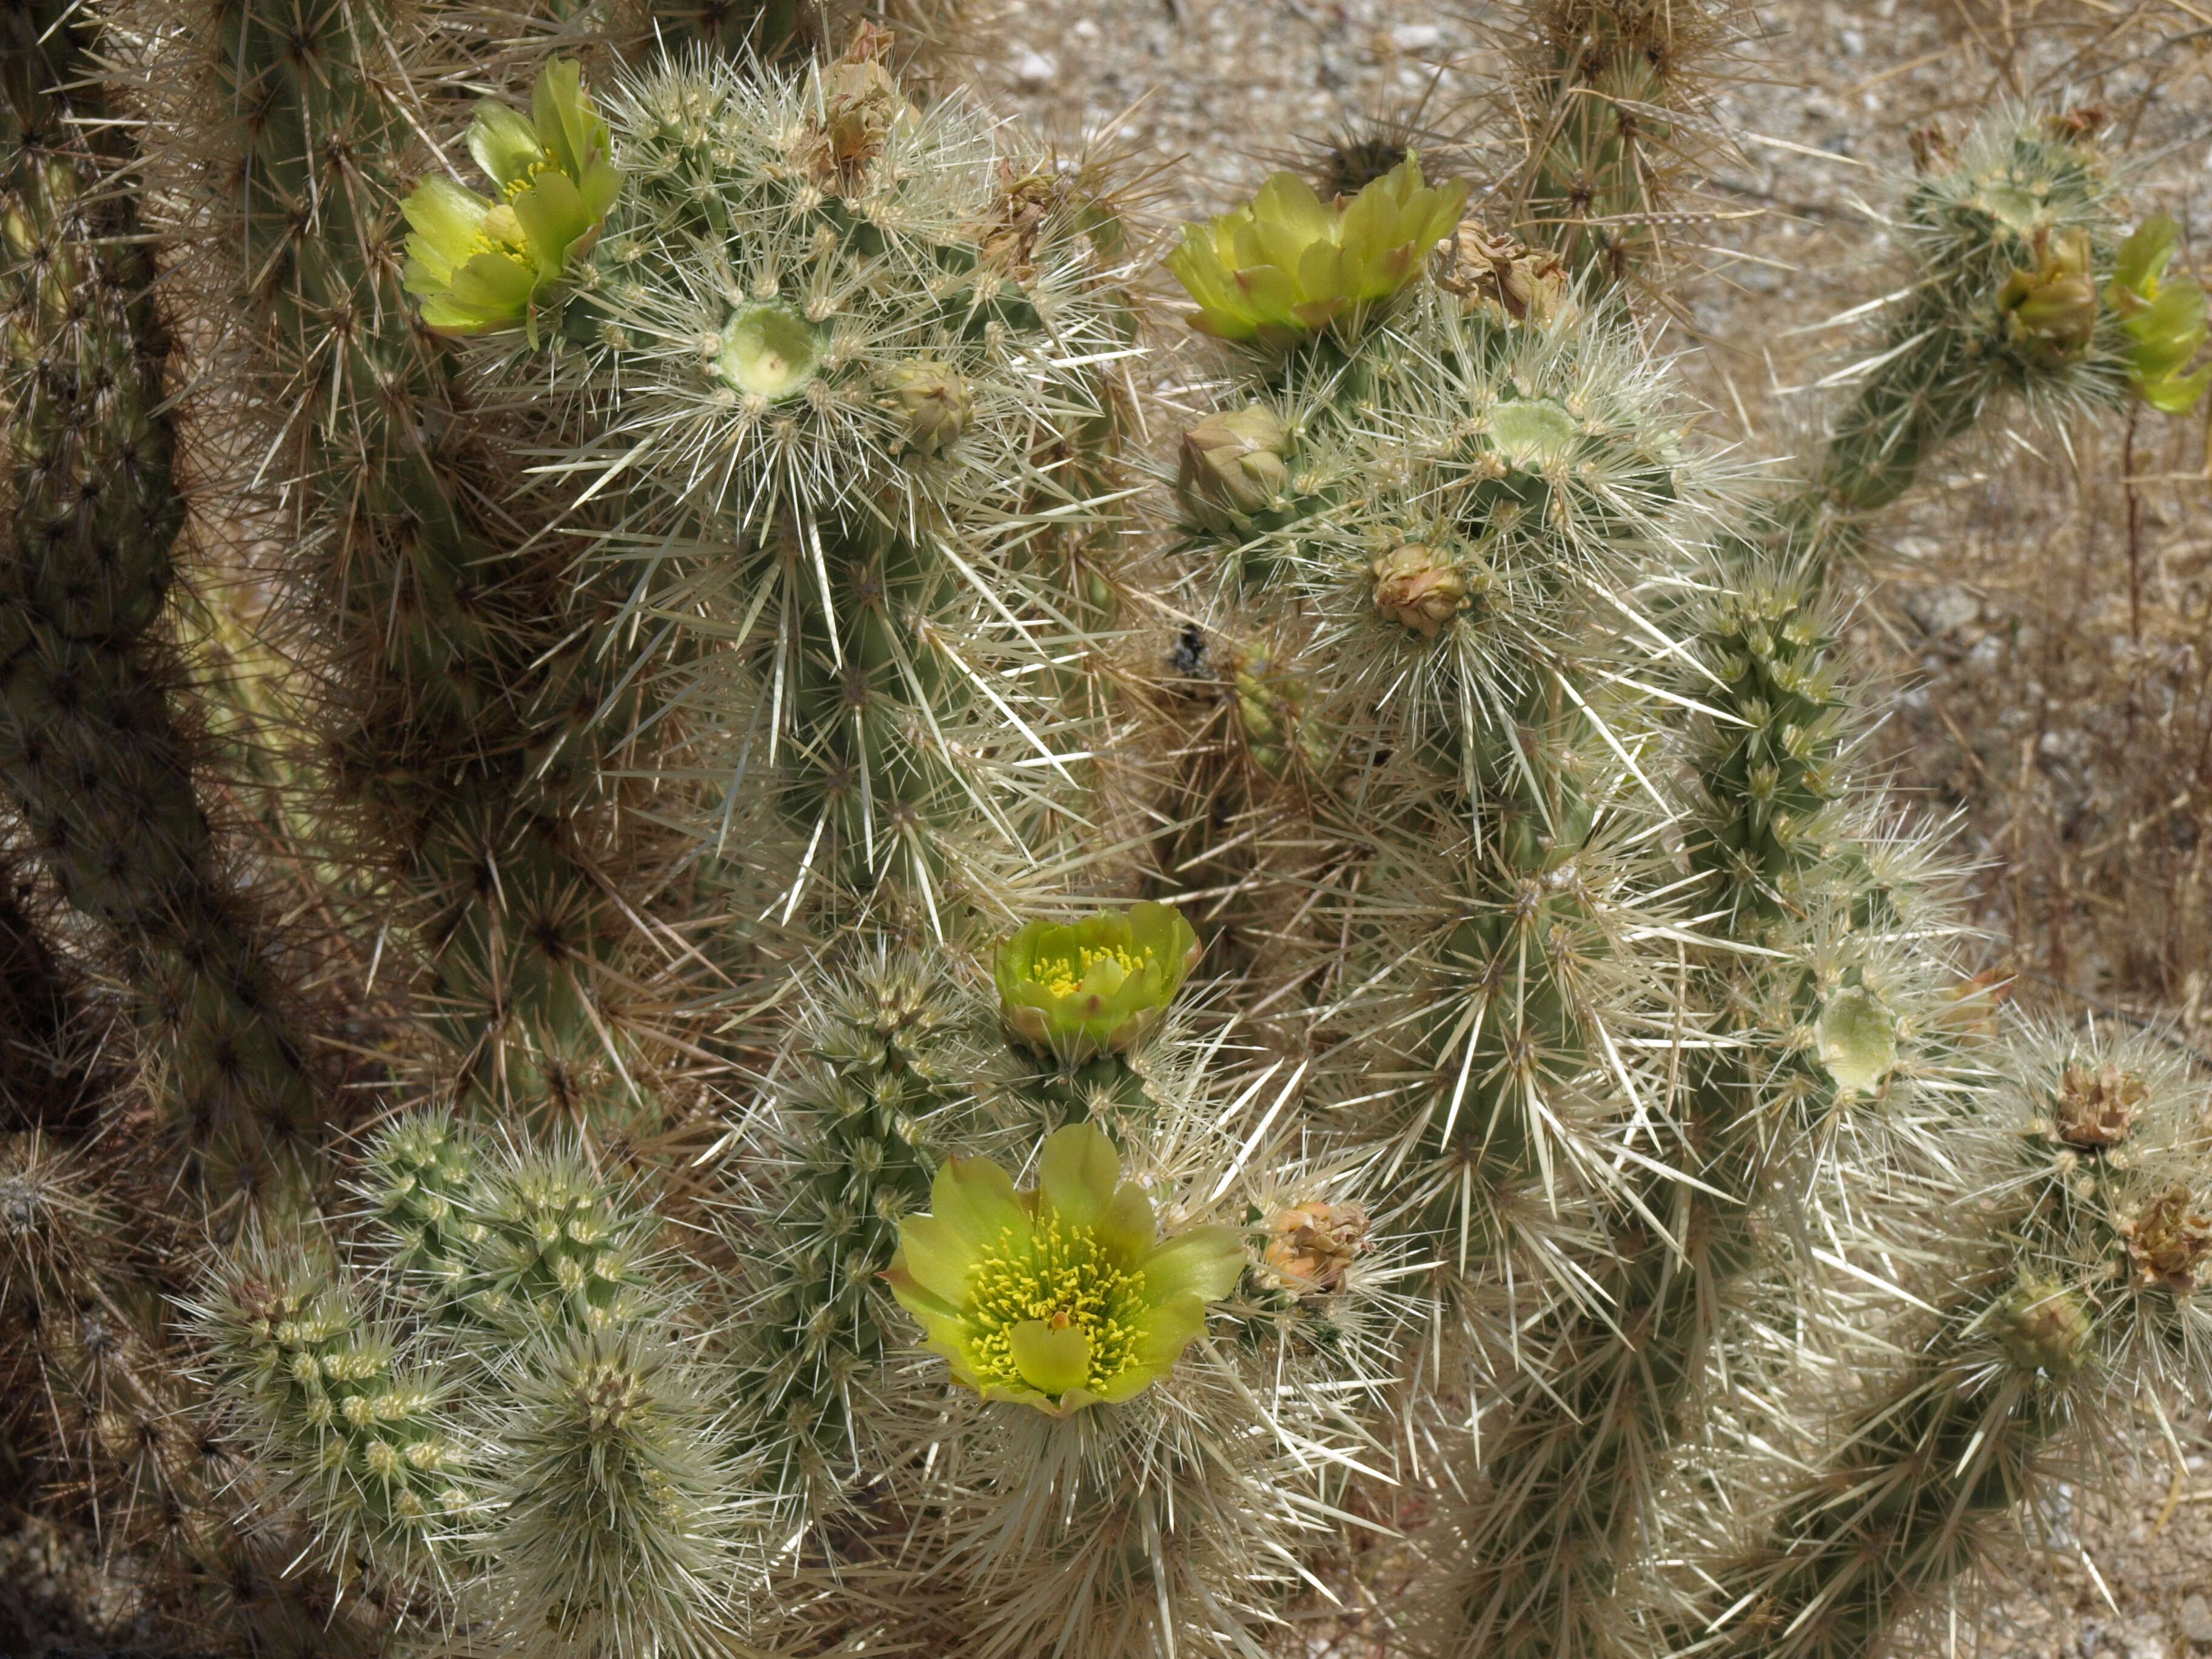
column 2196, row 1619
column 1035, row 70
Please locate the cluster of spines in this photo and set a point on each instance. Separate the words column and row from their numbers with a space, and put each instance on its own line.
column 91, row 749
column 851, row 370
column 2068, row 1229
column 1615, row 101
column 884, row 1056
column 494, row 1404
column 455, row 685
column 2023, row 212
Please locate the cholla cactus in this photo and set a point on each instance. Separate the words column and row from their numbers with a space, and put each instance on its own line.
column 818, row 1206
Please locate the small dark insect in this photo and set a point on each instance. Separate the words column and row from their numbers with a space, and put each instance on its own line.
column 1189, row 657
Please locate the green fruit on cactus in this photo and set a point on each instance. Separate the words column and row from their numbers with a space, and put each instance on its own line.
column 1288, row 264
column 2043, row 1328
column 1093, row 987
column 936, row 402
column 1231, row 467
column 1062, row 1297
column 1857, row 1038
column 2051, row 312
column 769, row 350
column 478, row 265
column 2166, row 320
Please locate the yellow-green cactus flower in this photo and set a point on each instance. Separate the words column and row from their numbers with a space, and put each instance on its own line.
column 478, row 265
column 2166, row 320
column 1287, row 264
column 1094, row 988
column 2051, row 312
column 1062, row 1297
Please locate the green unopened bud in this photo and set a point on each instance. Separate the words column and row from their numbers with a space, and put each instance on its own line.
column 2050, row 312
column 1231, row 468
column 1271, row 710
column 2043, row 1328
column 936, row 402
column 1094, row 988
column 1418, row 588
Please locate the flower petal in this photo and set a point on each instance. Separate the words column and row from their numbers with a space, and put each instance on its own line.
column 1163, row 1333
column 1125, row 1226
column 1051, row 1361
column 975, row 1198
column 503, row 142
column 937, row 1256
column 1077, row 1172
column 1205, row 1262
column 448, row 220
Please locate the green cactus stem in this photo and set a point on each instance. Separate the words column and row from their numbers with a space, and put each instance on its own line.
column 458, row 683
column 90, row 748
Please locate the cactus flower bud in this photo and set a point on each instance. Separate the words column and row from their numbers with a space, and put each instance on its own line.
column 2043, row 1326
column 1095, row 987
column 1310, row 1245
column 2051, row 312
column 1062, row 1297
column 1231, row 468
column 2098, row 1110
column 1288, row 264
column 936, row 402
column 478, row 265
column 1418, row 588
column 2166, row 320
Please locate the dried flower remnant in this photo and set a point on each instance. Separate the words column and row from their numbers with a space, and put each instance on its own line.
column 2097, row 1109
column 2166, row 1238
column 1505, row 276
column 2051, row 312
column 1093, row 987
column 1312, row 1245
column 1418, row 588
column 861, row 105
column 1062, row 1297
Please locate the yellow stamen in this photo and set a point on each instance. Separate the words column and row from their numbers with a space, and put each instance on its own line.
column 1063, row 1280
column 1064, row 978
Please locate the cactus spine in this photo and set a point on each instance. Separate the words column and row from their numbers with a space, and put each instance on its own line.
column 699, row 527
